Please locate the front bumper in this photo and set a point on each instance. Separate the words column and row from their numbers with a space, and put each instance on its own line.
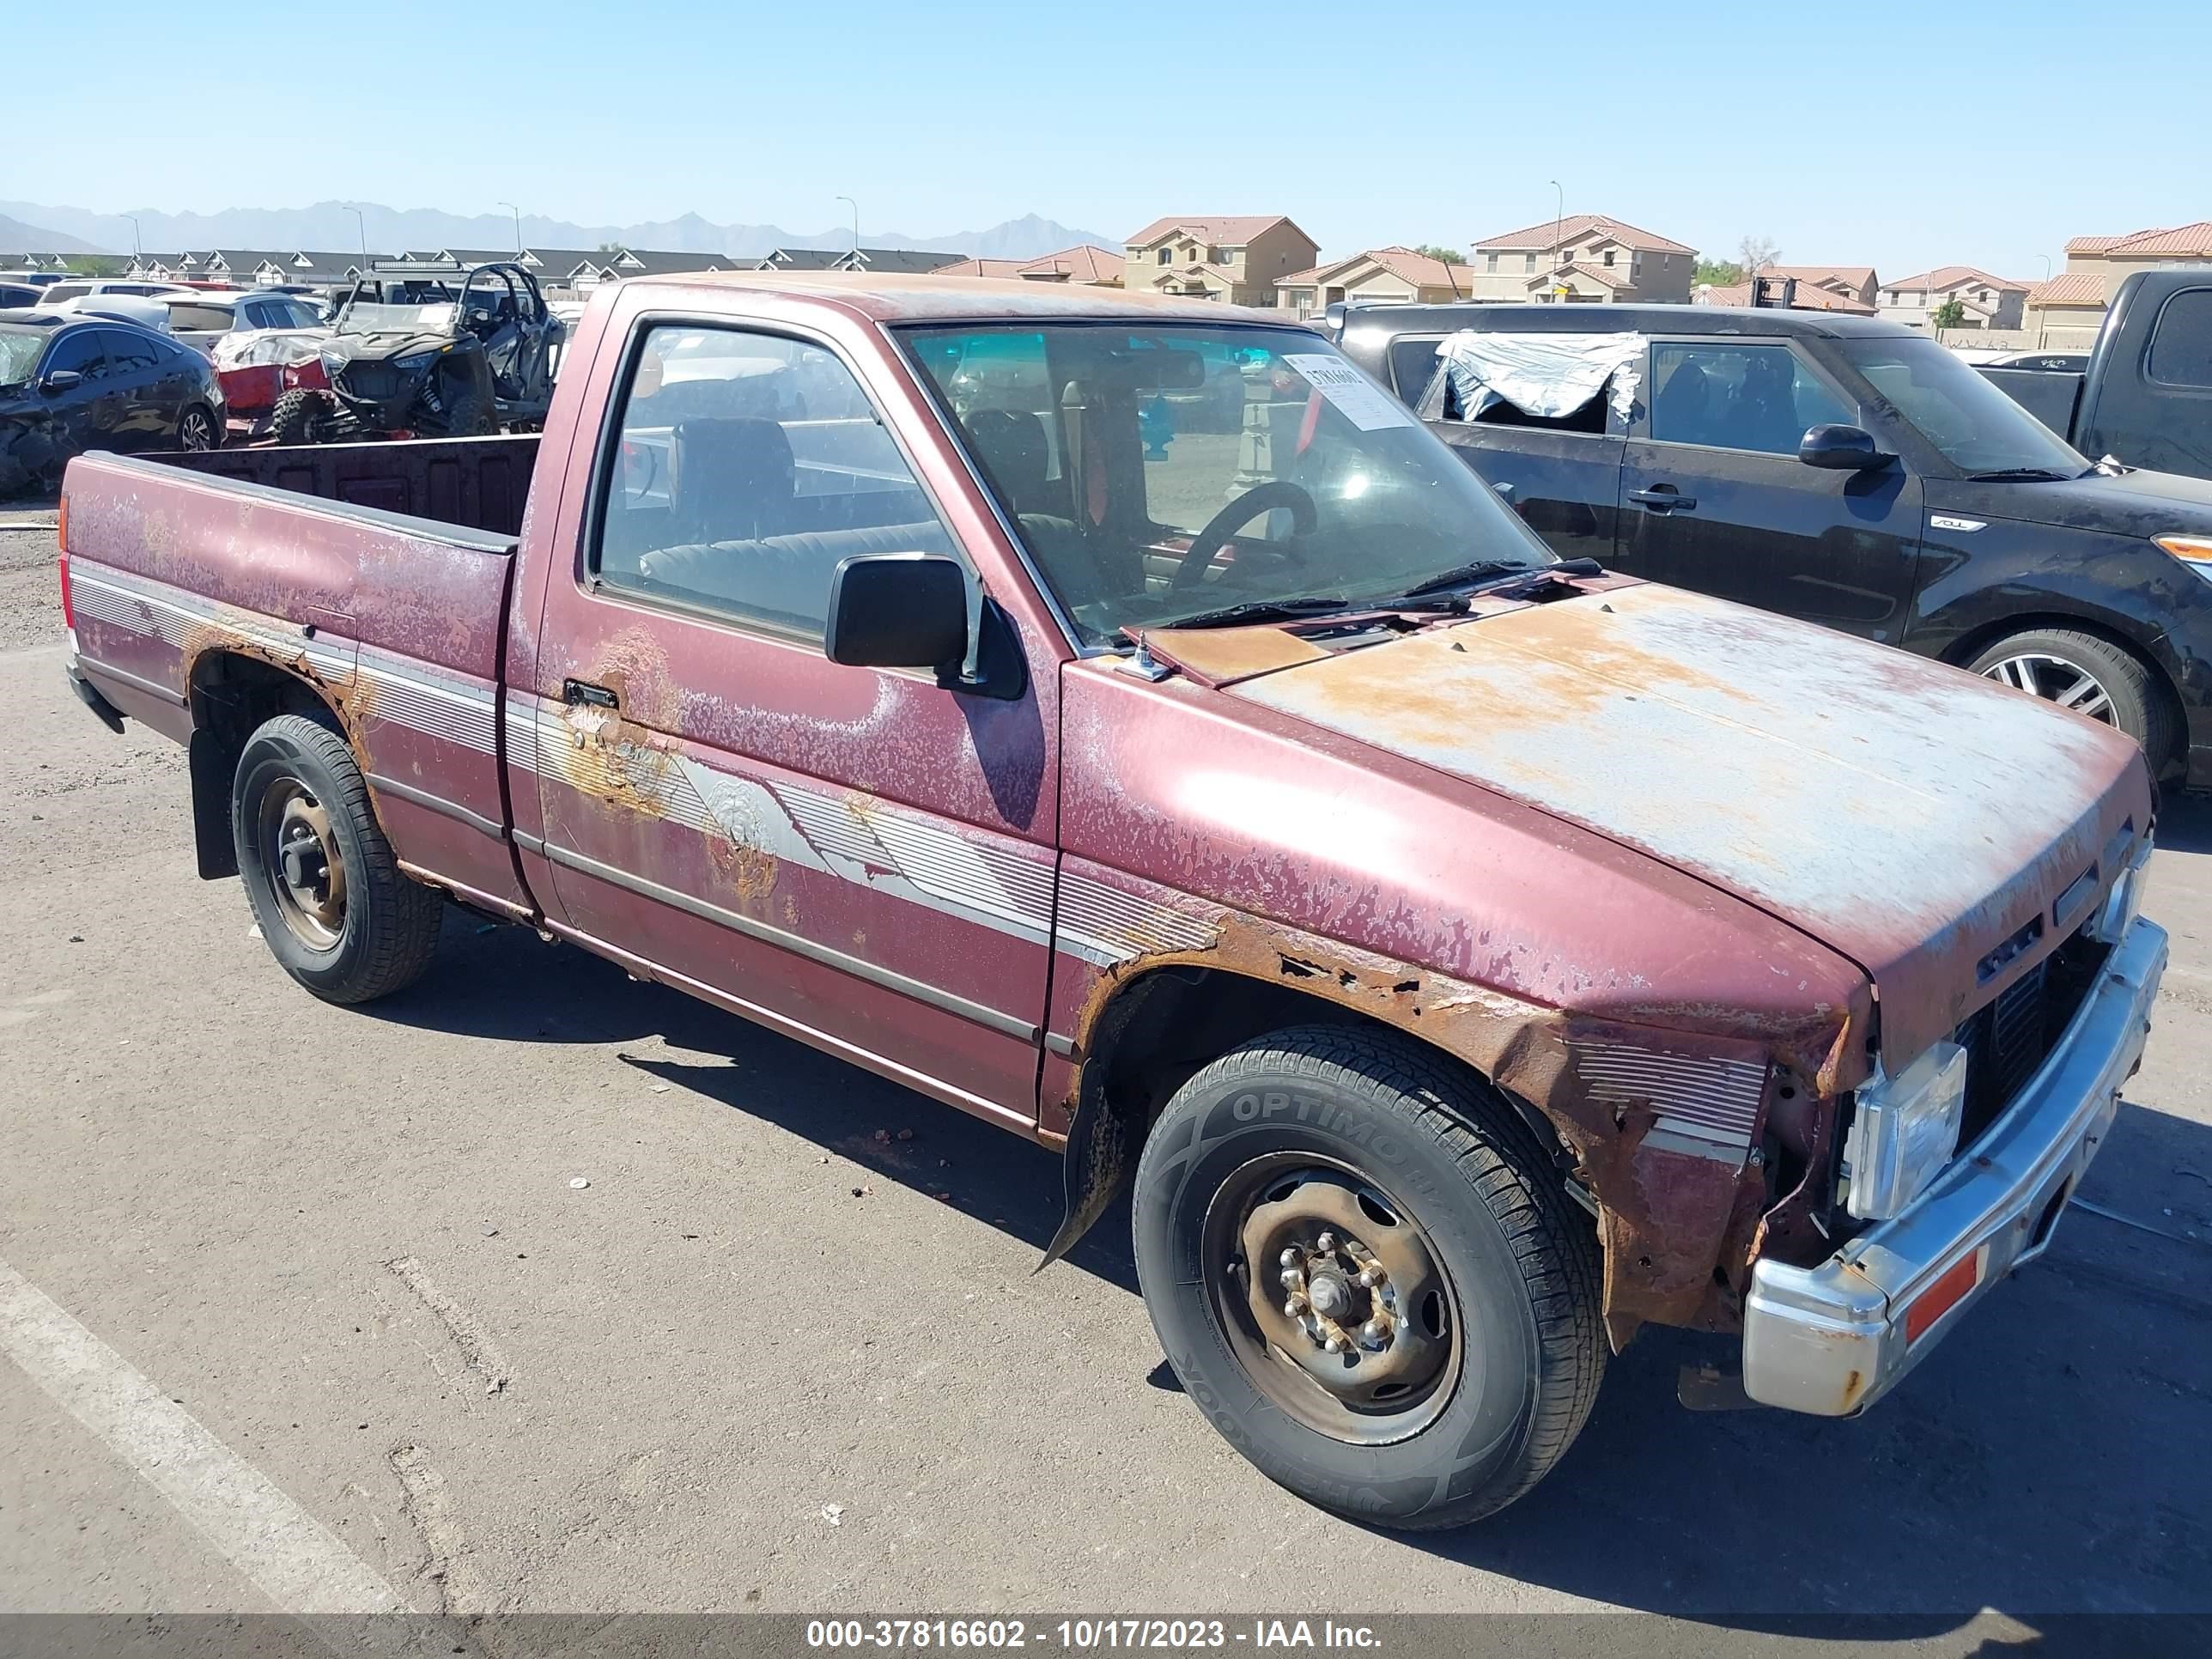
column 1830, row 1339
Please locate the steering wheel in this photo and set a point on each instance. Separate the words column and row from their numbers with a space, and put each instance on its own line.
column 1205, row 547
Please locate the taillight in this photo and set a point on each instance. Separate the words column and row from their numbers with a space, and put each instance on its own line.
column 61, row 536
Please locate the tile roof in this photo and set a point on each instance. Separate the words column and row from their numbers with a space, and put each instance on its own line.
column 1551, row 233
column 1852, row 276
column 1084, row 263
column 1421, row 270
column 1945, row 277
column 1231, row 230
column 1810, row 297
column 2083, row 288
column 986, row 268
column 2195, row 238
column 2096, row 244
column 1597, row 274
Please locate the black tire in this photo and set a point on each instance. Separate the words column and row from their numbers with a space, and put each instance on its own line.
column 1438, row 1150
column 299, row 416
column 197, row 429
column 2138, row 702
column 467, row 415
column 384, row 927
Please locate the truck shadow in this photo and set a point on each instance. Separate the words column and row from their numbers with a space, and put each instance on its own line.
column 2046, row 1462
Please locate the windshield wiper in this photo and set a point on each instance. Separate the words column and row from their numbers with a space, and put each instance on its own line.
column 1256, row 610
column 2020, row 475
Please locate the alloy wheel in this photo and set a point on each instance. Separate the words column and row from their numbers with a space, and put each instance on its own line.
column 2057, row 680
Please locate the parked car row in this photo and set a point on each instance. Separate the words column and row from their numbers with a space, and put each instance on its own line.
column 1847, row 471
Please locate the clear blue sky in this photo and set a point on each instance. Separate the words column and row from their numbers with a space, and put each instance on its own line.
column 1985, row 132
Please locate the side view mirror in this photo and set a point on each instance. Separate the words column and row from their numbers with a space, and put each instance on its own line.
column 1842, row 449
column 60, row 380
column 898, row 611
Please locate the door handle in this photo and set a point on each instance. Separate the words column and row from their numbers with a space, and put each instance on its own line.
column 576, row 691
column 1665, row 499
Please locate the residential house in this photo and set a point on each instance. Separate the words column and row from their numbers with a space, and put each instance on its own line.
column 882, row 260
column 33, row 262
column 252, row 267
column 1846, row 290
column 1583, row 258
column 1084, row 265
column 1989, row 301
column 2073, row 302
column 1235, row 258
column 1381, row 276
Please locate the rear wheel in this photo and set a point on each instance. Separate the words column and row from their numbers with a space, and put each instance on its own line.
column 1366, row 1274
column 300, row 416
column 2090, row 675
column 467, row 415
column 332, row 903
column 196, row 430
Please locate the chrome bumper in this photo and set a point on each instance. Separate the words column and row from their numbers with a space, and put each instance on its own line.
column 1832, row 1339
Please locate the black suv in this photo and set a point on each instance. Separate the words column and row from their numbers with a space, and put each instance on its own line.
column 1842, row 470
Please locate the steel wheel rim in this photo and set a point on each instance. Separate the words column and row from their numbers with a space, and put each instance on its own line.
column 2055, row 679
column 199, row 432
column 1366, row 1364
column 303, row 863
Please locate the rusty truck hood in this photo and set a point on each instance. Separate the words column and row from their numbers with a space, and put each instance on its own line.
column 1908, row 816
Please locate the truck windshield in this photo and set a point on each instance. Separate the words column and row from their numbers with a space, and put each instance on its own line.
column 1179, row 469
column 1979, row 429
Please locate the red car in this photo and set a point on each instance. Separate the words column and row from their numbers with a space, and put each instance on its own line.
column 1468, row 956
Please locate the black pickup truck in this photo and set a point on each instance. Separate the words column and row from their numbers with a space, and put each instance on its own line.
column 2145, row 397
column 1841, row 469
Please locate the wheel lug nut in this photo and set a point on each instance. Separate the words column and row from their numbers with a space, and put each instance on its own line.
column 1377, row 1331
column 1295, row 1306
column 1370, row 1278
column 1291, row 1278
column 1335, row 1345
column 1291, row 1257
column 1326, row 1243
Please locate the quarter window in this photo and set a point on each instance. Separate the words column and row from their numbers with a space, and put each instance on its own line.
column 748, row 466
column 1757, row 398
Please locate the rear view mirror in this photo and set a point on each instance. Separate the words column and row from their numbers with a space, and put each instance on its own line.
column 1842, row 449
column 898, row 611
column 60, row 380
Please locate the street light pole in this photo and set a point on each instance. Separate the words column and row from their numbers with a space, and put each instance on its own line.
column 2043, row 312
column 361, row 225
column 1558, row 221
column 855, row 206
column 517, row 212
column 136, row 251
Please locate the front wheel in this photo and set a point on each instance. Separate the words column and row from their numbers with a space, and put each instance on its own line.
column 1368, row 1276
column 332, row 903
column 300, row 416
column 2090, row 675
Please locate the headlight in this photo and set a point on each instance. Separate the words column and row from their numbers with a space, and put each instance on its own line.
column 2195, row 552
column 1904, row 1129
column 333, row 360
column 417, row 359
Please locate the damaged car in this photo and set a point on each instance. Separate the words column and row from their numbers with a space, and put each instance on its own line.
column 71, row 382
column 436, row 358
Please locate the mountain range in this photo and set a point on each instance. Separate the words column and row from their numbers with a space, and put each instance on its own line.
column 34, row 227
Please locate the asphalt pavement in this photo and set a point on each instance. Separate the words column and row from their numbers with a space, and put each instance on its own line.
column 785, row 1351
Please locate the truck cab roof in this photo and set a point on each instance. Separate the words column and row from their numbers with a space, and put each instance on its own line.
column 1619, row 320
column 897, row 297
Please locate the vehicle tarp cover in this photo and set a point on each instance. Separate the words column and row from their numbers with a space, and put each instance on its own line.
column 1547, row 375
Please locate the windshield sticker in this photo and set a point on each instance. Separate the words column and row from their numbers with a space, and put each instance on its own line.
column 1365, row 404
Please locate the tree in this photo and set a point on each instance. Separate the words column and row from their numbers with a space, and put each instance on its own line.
column 1450, row 255
column 1952, row 314
column 1718, row 273
column 1755, row 253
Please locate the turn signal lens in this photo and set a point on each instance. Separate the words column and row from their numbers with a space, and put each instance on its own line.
column 61, row 538
column 2195, row 552
column 1946, row 1293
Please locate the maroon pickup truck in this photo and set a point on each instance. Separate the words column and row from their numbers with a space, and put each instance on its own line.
column 1464, row 956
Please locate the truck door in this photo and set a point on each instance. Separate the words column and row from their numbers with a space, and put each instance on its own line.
column 2152, row 406
column 1713, row 497
column 855, row 856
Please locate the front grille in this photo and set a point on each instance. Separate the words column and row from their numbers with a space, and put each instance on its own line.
column 371, row 380
column 2011, row 1035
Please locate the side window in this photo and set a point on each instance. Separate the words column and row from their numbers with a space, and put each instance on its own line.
column 129, row 353
column 1757, row 398
column 1412, row 364
column 80, row 350
column 746, row 467
column 2181, row 345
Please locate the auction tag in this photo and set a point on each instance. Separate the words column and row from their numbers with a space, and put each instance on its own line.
column 1365, row 404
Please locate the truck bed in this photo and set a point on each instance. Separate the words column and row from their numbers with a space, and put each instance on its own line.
column 208, row 590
